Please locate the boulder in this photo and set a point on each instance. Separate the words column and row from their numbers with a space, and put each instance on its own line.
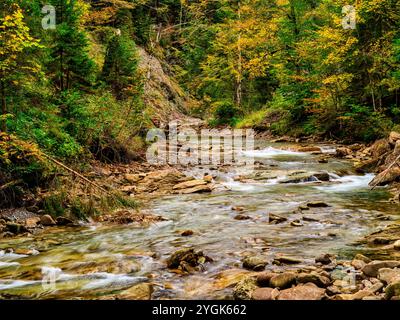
column 264, row 278
column 32, row 222
column 379, row 148
column 186, row 258
column 275, row 219
column 15, row 228
column 392, row 290
column 189, row 184
column 254, row 263
column 386, row 177
column 196, row 189
column 308, row 291
column 245, row 288
column 132, row 178
column 343, row 151
column 283, row 280
column 286, row 260
column 322, row 176
column 361, row 257
column 309, row 149
column 64, row 221
column 265, row 294
column 142, row 291
column 317, row 204
column 396, row 245
column 394, row 137
column 372, row 268
column 325, row 258
column 388, row 275
column 313, row 277
column 358, row 264
column 47, row 220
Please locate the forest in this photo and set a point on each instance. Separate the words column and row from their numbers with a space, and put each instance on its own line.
column 82, row 82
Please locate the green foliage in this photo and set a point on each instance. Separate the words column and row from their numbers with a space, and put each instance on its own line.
column 224, row 113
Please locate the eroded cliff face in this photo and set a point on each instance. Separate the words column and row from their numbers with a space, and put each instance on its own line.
column 163, row 97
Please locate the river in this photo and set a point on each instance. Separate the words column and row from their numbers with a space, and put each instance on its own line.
column 95, row 261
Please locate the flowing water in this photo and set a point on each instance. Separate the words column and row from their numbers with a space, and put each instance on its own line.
column 100, row 261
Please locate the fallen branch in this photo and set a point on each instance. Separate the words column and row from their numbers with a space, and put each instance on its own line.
column 76, row 173
column 10, row 184
column 384, row 172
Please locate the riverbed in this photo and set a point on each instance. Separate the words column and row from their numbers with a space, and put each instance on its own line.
column 99, row 262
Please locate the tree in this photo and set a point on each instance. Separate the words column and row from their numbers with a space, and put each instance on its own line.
column 15, row 63
column 120, row 66
column 69, row 64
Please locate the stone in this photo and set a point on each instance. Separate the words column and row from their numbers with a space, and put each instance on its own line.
column 275, row 219
column 332, row 290
column 15, row 228
column 309, row 149
column 358, row 264
column 308, row 291
column 254, row 263
column 185, row 258
column 64, row 221
column 196, row 189
column 127, row 189
column 241, row 217
column 283, row 280
column 189, row 184
column 32, row 222
column 208, row 178
column 317, row 204
column 187, row 233
column 385, row 177
column 265, row 294
column 132, row 178
column 263, row 278
column 343, row 151
column 380, row 240
column 286, row 260
column 359, row 295
column 237, row 208
column 300, row 177
column 372, row 268
column 396, row 245
column 296, row 223
column 142, row 291
column 393, row 137
column 325, row 259
column 392, row 289
column 244, row 289
column 47, row 220
column 315, row 278
column 322, row 176
column 361, row 257
column 388, row 275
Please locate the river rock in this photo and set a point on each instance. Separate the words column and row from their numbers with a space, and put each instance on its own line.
column 32, row 222
column 241, row 217
column 393, row 137
column 386, row 177
column 325, row 259
column 189, row 184
column 297, row 178
column 283, row 280
column 361, row 257
column 132, row 178
column 372, row 268
column 308, row 291
column 142, row 291
column 265, row 294
column 196, row 189
column 275, row 219
column 322, row 176
column 64, row 221
column 244, row 289
column 15, row 228
column 317, row 204
column 396, row 245
column 343, row 151
column 255, row 263
column 392, row 290
column 389, row 276
column 185, row 258
column 187, row 233
column 315, row 278
column 208, row 178
column 296, row 223
column 47, row 220
column 263, row 278
column 358, row 264
column 309, row 149
column 286, row 260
